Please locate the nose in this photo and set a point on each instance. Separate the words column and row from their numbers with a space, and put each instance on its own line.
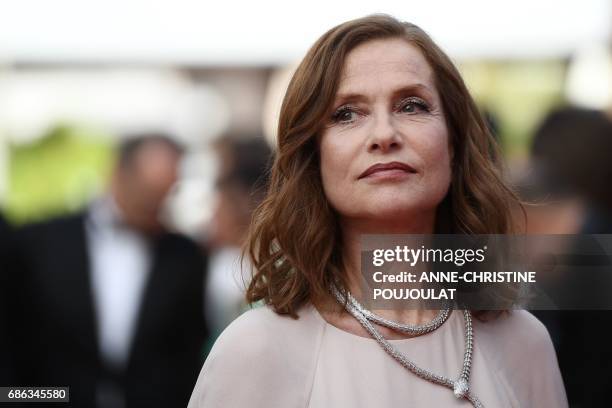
column 384, row 135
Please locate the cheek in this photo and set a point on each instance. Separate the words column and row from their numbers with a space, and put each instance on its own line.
column 335, row 161
column 438, row 155
column 445, row 176
column 437, row 160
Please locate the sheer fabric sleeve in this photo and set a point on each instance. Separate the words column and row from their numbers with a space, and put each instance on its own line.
column 262, row 360
column 520, row 347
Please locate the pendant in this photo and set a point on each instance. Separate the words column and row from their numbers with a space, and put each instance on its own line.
column 460, row 388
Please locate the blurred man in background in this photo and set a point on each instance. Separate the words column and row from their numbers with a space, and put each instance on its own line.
column 112, row 301
column 240, row 187
column 571, row 153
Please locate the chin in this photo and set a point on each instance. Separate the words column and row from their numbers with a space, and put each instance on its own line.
column 387, row 210
column 388, row 205
column 399, row 212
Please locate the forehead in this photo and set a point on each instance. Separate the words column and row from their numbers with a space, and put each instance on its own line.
column 385, row 61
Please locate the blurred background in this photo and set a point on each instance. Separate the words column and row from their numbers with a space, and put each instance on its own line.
column 75, row 77
column 79, row 81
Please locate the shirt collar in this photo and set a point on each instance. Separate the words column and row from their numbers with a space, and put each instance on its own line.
column 104, row 213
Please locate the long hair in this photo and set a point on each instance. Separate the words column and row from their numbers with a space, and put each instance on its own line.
column 294, row 241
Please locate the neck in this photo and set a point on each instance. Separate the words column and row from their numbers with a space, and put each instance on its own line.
column 352, row 231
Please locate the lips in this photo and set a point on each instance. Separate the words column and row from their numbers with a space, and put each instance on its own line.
column 380, row 167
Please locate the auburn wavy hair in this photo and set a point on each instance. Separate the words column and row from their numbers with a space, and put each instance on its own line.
column 294, row 241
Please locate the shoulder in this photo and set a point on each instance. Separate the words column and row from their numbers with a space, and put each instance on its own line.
column 49, row 235
column 516, row 342
column 515, row 326
column 261, row 333
column 516, row 331
column 249, row 333
column 262, row 359
column 49, row 226
column 511, row 322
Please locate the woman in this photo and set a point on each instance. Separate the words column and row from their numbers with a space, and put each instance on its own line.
column 377, row 134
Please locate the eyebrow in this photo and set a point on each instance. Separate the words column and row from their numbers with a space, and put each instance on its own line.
column 418, row 88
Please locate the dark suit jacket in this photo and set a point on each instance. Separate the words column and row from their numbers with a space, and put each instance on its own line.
column 6, row 271
column 582, row 337
column 58, row 328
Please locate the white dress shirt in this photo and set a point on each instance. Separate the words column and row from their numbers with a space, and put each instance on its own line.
column 120, row 261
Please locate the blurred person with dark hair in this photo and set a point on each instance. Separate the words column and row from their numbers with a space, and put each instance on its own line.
column 240, row 187
column 573, row 148
column 571, row 185
column 112, row 300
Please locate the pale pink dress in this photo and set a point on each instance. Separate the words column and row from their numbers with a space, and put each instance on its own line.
column 264, row 360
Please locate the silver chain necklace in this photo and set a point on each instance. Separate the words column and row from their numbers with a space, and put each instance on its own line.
column 460, row 386
column 415, row 330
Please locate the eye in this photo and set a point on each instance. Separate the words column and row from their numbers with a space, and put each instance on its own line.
column 345, row 114
column 413, row 105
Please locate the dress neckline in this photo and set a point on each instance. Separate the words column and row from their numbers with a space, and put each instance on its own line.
column 357, row 337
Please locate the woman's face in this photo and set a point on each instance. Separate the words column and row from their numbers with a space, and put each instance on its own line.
column 385, row 150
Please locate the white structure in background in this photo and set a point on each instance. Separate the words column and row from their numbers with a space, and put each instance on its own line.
column 275, row 92
column 276, row 33
column 118, row 100
column 589, row 77
column 190, row 206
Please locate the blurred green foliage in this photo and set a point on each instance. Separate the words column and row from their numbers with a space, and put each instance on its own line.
column 57, row 173
column 518, row 94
